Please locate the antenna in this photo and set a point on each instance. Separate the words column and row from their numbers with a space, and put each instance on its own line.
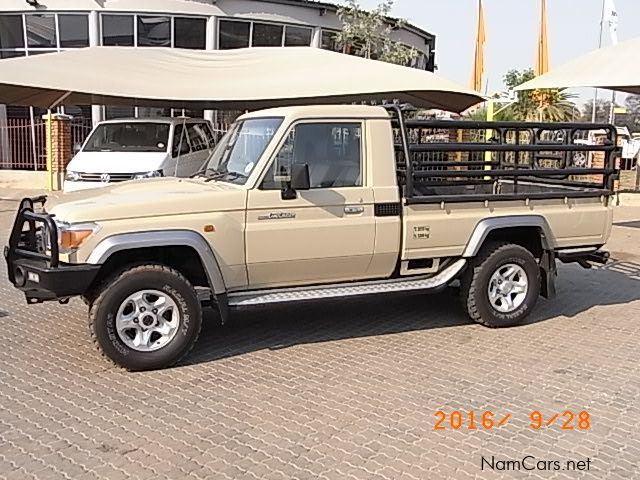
column 182, row 135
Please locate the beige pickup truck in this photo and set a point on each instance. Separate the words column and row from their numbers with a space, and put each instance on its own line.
column 316, row 202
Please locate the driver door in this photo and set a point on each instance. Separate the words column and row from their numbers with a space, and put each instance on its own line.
column 325, row 234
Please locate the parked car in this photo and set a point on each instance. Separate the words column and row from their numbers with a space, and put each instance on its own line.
column 314, row 203
column 134, row 148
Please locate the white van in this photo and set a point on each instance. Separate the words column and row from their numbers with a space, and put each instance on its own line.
column 128, row 149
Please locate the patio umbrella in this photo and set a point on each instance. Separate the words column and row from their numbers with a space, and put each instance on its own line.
column 613, row 68
column 246, row 78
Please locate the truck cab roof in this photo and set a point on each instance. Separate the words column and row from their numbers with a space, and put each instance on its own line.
column 320, row 111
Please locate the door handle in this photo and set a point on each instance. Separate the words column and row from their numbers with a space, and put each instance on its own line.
column 353, row 210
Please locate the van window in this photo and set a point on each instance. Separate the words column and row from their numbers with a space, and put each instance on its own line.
column 180, row 143
column 198, row 136
column 129, row 137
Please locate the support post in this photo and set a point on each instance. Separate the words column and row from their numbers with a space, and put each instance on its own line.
column 487, row 134
column 58, row 148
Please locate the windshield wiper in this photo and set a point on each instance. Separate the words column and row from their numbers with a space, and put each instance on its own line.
column 221, row 175
column 202, row 171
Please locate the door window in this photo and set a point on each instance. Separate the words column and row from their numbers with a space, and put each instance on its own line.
column 197, row 137
column 180, row 145
column 332, row 151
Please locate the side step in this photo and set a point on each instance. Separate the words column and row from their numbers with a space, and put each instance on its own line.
column 261, row 297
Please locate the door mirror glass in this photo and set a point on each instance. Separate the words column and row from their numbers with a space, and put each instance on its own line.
column 300, row 176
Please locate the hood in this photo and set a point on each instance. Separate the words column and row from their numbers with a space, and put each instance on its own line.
column 117, row 162
column 154, row 197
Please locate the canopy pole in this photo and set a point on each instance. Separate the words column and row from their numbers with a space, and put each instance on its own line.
column 595, row 95
column 60, row 99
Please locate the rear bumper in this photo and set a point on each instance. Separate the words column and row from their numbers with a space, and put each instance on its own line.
column 40, row 282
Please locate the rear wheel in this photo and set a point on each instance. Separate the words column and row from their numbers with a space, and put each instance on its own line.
column 502, row 286
column 146, row 317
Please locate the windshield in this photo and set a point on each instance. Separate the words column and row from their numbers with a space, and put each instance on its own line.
column 240, row 149
column 129, row 137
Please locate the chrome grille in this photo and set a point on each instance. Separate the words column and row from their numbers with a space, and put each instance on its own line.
column 105, row 177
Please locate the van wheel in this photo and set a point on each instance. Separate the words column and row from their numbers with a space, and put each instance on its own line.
column 502, row 286
column 146, row 317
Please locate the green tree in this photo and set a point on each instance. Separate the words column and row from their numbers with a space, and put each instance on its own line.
column 603, row 108
column 368, row 33
column 548, row 105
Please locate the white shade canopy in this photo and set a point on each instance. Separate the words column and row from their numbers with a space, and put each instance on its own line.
column 613, row 68
column 245, row 78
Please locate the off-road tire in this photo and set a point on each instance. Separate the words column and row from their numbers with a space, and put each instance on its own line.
column 474, row 284
column 115, row 289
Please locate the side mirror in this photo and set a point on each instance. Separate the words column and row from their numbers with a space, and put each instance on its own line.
column 298, row 180
column 300, row 176
column 76, row 148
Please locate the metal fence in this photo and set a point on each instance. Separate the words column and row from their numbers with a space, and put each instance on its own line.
column 23, row 145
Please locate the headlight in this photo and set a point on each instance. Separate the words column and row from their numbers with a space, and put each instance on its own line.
column 72, row 176
column 155, row 173
column 71, row 236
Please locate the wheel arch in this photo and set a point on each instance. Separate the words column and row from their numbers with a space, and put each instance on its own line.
column 156, row 241
column 517, row 229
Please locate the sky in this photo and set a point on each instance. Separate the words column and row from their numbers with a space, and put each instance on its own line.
column 512, row 28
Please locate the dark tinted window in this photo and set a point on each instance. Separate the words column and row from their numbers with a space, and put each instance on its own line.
column 197, row 136
column 267, row 35
column 233, row 34
column 41, row 31
column 154, row 31
column 11, row 32
column 128, row 137
column 332, row 151
column 117, row 30
column 209, row 133
column 74, row 30
column 111, row 112
column 297, row 36
column 190, row 32
column 329, row 41
column 180, row 145
column 10, row 54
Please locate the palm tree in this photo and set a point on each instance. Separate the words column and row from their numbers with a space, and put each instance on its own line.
column 539, row 105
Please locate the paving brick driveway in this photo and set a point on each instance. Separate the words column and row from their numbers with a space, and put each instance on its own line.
column 335, row 391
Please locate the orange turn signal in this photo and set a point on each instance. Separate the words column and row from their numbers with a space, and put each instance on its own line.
column 71, row 239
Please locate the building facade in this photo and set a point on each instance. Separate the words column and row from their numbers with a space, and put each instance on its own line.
column 33, row 27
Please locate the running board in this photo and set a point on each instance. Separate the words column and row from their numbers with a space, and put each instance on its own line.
column 261, row 297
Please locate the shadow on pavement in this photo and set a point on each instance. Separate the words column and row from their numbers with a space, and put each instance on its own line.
column 282, row 326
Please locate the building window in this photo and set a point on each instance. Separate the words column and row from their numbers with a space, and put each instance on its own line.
column 11, row 53
column 117, row 30
column 11, row 32
column 267, row 35
column 41, row 31
column 189, row 32
column 112, row 111
column 74, row 31
column 233, row 34
column 154, row 31
column 329, row 41
column 297, row 36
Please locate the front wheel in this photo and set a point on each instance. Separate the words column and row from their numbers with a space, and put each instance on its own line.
column 502, row 285
column 146, row 317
